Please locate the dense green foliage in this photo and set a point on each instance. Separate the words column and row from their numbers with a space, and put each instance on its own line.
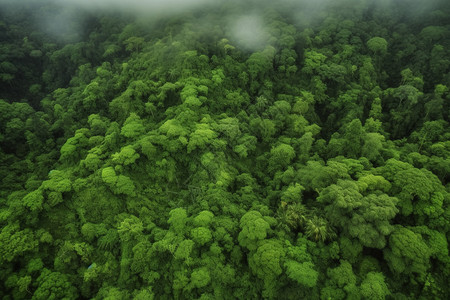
column 146, row 157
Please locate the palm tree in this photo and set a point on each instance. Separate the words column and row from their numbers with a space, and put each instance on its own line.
column 298, row 214
column 318, row 229
column 291, row 216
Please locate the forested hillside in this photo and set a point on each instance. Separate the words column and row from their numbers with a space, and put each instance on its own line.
column 224, row 149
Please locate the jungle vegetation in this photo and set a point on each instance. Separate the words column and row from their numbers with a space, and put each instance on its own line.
column 225, row 150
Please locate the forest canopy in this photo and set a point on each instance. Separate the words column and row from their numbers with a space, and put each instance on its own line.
column 224, row 149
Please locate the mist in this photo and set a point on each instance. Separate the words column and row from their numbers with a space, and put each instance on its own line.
column 167, row 7
column 242, row 21
column 248, row 31
column 139, row 6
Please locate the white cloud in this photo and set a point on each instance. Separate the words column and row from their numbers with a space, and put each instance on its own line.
column 248, row 31
column 147, row 6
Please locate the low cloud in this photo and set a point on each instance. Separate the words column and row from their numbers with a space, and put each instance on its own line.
column 139, row 6
column 248, row 32
column 242, row 20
